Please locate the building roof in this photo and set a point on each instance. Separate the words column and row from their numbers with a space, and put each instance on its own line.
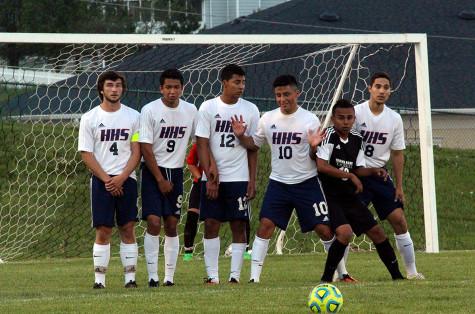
column 451, row 40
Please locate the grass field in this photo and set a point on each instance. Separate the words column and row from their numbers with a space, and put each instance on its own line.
column 65, row 285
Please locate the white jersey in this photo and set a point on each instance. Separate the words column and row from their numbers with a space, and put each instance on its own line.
column 287, row 137
column 108, row 136
column 168, row 130
column 381, row 133
column 215, row 124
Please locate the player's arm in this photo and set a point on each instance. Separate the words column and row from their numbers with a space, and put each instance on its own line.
column 164, row 185
column 397, row 157
column 209, row 166
column 252, row 164
column 239, row 129
column 134, row 159
column 367, row 172
column 195, row 171
column 324, row 167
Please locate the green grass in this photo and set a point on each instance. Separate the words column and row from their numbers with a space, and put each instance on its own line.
column 65, row 285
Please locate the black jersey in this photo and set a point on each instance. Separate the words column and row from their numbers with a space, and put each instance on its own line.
column 345, row 155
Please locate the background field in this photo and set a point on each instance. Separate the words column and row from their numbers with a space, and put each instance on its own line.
column 65, row 285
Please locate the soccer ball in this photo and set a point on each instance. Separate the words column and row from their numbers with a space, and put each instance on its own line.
column 325, row 298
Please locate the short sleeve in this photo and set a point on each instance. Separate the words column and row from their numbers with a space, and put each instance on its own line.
column 203, row 127
column 259, row 136
column 398, row 138
column 146, row 127
column 86, row 136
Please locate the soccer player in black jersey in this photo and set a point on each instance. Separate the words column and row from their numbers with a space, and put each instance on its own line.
column 340, row 162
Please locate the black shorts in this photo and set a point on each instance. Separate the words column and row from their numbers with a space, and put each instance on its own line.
column 194, row 200
column 349, row 210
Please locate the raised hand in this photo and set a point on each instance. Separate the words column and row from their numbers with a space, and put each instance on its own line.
column 315, row 137
column 238, row 125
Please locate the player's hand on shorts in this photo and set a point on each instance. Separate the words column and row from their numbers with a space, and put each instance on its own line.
column 115, row 182
column 314, row 138
column 213, row 175
column 251, row 190
column 238, row 125
column 212, row 188
column 356, row 181
column 381, row 172
column 165, row 186
column 399, row 195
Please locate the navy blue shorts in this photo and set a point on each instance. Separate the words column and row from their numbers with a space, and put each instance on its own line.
column 156, row 203
column 306, row 197
column 348, row 209
column 230, row 205
column 106, row 207
column 381, row 193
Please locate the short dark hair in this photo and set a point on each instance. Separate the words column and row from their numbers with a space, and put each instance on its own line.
column 112, row 76
column 342, row 103
column 284, row 80
column 173, row 74
column 228, row 71
column 378, row 75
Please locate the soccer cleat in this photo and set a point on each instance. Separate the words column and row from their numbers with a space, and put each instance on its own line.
column 188, row 257
column 416, row 276
column 131, row 284
column 211, row 281
column 98, row 286
column 168, row 283
column 153, row 284
column 247, row 256
column 347, row 278
column 252, row 281
column 233, row 280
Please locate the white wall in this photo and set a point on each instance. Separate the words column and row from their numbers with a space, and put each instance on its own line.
column 216, row 12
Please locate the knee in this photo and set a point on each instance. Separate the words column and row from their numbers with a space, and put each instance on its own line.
column 127, row 233
column 103, row 234
column 324, row 232
column 266, row 229
column 170, row 227
column 398, row 221
column 344, row 234
column 211, row 228
column 376, row 234
column 153, row 225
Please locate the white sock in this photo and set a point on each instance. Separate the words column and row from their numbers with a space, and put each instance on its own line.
column 128, row 256
column 101, row 256
column 258, row 255
column 211, row 256
column 151, row 245
column 237, row 258
column 406, row 248
column 170, row 249
column 341, row 268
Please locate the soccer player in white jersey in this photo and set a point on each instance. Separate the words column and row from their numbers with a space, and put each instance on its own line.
column 293, row 135
column 166, row 126
column 383, row 134
column 108, row 136
column 230, row 184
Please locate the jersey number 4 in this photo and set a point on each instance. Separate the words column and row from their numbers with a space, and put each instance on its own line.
column 113, row 149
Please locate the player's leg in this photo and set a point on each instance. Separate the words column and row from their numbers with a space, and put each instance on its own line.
column 237, row 213
column 103, row 210
column 388, row 208
column 313, row 214
column 171, row 248
column 212, row 214
column 340, row 224
column 247, row 253
column 152, row 203
column 126, row 217
column 276, row 211
column 191, row 224
column 171, row 213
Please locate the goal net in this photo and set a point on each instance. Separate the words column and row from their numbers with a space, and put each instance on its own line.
column 44, row 191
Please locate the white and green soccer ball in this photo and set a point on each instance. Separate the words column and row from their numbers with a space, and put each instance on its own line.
column 325, row 298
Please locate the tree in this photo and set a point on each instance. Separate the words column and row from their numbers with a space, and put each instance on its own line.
column 176, row 21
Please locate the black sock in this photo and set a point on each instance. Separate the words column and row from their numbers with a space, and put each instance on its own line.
column 248, row 234
column 335, row 254
column 191, row 227
column 387, row 255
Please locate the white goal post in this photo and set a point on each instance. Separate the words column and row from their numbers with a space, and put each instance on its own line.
column 419, row 42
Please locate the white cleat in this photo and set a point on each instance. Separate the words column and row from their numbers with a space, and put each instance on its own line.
column 416, row 276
